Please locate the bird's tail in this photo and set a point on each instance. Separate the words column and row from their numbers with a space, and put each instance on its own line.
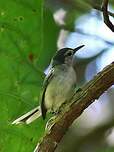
column 29, row 116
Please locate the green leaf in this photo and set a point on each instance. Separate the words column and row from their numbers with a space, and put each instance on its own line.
column 21, row 30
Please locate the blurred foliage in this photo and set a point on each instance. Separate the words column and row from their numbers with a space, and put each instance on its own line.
column 28, row 40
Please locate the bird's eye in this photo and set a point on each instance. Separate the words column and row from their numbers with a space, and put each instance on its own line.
column 69, row 53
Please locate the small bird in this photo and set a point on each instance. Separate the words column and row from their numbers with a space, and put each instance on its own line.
column 58, row 86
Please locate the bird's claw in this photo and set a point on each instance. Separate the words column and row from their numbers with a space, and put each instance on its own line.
column 51, row 122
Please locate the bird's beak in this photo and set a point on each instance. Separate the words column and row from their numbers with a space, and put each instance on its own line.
column 76, row 49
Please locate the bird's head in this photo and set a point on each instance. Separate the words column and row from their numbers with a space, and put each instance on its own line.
column 65, row 56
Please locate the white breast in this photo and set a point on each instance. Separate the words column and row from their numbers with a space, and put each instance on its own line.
column 60, row 87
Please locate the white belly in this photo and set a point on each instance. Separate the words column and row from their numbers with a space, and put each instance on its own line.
column 60, row 89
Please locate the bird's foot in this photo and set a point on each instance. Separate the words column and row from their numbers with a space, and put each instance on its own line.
column 51, row 122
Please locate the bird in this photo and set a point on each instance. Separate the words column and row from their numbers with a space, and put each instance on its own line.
column 58, row 86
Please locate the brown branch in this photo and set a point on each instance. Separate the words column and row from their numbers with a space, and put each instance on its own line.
column 81, row 100
column 105, row 15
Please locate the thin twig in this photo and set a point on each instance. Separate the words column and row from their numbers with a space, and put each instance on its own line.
column 105, row 15
column 81, row 100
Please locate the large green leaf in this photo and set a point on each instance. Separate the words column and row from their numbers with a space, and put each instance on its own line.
column 27, row 41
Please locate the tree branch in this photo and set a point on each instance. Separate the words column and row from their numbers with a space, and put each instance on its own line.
column 105, row 15
column 81, row 100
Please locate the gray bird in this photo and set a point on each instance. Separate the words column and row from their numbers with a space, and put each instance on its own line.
column 58, row 86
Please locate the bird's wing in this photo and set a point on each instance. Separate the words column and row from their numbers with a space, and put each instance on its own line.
column 45, row 84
